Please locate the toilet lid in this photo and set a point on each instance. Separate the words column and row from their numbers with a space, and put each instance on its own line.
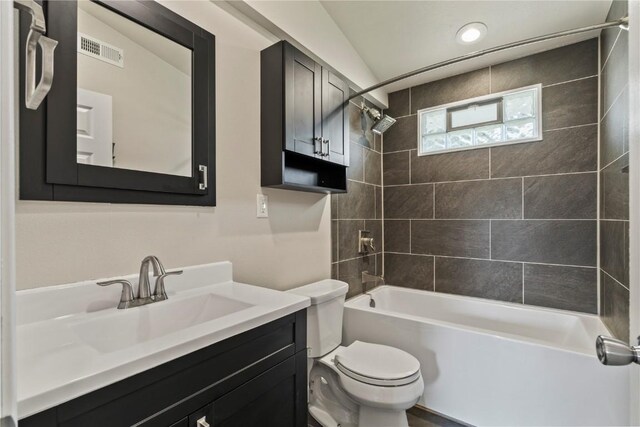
column 377, row 364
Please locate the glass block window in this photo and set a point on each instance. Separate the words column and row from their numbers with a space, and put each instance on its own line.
column 502, row 118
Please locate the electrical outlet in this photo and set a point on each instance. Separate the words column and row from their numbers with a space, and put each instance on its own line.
column 262, row 208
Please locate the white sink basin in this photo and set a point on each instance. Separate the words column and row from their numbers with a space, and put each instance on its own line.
column 71, row 339
column 132, row 326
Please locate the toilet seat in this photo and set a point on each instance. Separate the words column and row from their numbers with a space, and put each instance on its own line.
column 377, row 365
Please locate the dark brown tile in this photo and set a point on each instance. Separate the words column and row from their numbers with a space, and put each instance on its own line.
column 457, row 166
column 398, row 103
column 566, row 63
column 360, row 127
column 348, row 238
column 567, row 288
column 396, row 168
column 375, row 227
column 418, row 417
column 397, row 236
column 409, row 271
column 614, row 249
column 461, row 238
column 378, row 193
column 500, row 198
column 456, row 88
column 408, row 201
column 334, row 240
column 351, row 272
column 614, row 131
column 334, row 206
column 372, row 167
column 571, row 196
column 545, row 241
column 356, row 162
column 615, row 307
column 615, row 75
column 403, row 135
column 570, row 104
column 358, row 203
column 614, row 190
column 561, row 151
column 479, row 278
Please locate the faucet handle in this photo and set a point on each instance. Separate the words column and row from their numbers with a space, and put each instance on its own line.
column 126, row 297
column 159, row 293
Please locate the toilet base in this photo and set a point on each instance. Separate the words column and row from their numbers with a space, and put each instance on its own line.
column 376, row 417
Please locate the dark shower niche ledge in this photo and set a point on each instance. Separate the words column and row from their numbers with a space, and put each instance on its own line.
column 303, row 173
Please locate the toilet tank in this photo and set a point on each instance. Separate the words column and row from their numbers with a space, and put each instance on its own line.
column 324, row 316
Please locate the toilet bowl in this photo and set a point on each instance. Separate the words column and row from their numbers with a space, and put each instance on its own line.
column 362, row 384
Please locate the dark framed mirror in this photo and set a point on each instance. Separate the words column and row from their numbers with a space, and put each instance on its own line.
column 130, row 117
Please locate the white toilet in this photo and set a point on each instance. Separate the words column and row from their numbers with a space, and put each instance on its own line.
column 362, row 384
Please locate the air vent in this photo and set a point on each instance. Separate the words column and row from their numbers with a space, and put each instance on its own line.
column 95, row 48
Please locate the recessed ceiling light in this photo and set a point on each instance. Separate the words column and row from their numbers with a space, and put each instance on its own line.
column 471, row 33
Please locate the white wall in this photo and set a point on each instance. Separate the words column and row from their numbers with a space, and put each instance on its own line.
column 65, row 242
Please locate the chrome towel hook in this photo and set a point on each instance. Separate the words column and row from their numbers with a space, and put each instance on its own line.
column 34, row 94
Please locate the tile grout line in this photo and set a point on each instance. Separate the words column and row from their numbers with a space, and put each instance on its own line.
column 523, row 283
column 613, row 161
column 522, row 207
column 571, row 81
column 434, row 274
column 494, row 219
column 599, row 299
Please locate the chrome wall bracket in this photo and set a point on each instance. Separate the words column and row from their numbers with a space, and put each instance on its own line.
column 35, row 94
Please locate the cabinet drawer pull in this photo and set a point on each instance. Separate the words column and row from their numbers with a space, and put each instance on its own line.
column 202, row 422
column 325, row 143
column 316, row 149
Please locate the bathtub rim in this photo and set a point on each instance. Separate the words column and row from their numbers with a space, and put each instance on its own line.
column 351, row 304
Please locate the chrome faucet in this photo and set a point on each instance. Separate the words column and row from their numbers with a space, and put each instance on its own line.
column 370, row 278
column 144, row 295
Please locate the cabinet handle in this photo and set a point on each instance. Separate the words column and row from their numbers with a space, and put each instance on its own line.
column 316, row 149
column 325, row 142
column 202, row 422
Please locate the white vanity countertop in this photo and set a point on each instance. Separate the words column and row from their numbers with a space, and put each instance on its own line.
column 71, row 339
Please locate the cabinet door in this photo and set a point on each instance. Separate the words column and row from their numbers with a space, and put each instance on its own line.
column 335, row 120
column 268, row 400
column 303, row 82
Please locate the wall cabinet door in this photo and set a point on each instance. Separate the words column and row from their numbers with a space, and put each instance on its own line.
column 335, row 122
column 303, row 82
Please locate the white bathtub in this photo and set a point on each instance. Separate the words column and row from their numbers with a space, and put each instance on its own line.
column 492, row 363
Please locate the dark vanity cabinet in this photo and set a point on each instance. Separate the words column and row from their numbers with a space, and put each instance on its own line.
column 304, row 122
column 257, row 378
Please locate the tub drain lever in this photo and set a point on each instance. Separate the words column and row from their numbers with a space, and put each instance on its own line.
column 614, row 352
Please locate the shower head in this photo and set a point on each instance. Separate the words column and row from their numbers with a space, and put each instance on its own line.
column 381, row 122
column 381, row 125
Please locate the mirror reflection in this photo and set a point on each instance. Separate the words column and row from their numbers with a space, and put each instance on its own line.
column 134, row 95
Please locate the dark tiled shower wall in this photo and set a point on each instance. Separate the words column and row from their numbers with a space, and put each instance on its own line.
column 614, row 177
column 516, row 223
column 360, row 208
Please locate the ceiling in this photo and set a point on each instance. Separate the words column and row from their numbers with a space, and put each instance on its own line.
column 394, row 37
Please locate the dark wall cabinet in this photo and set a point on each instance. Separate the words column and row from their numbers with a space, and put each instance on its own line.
column 304, row 122
column 258, row 378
